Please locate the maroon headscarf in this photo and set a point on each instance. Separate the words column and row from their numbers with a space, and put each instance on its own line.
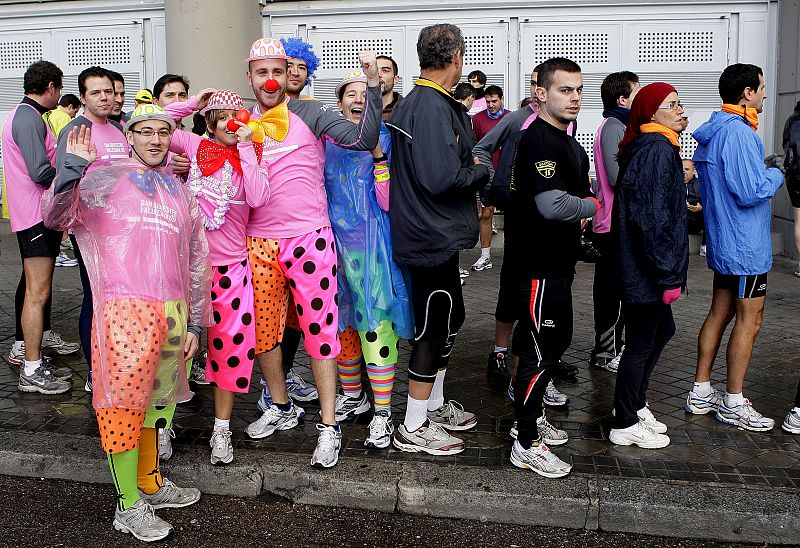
column 645, row 104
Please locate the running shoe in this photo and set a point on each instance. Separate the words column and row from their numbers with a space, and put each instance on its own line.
column 170, row 495
column 797, row 272
column 451, row 416
column 744, row 416
column 197, row 374
column 791, row 423
column 221, row 446
column 88, row 386
column 66, row 245
column 702, row 251
column 299, row 389
column 347, row 406
column 265, row 401
column 429, row 438
column 380, row 431
column 43, row 381
column 608, row 364
column 703, row 405
column 646, row 416
column 54, row 342
column 540, row 459
column 638, row 434
column 329, row 442
column 64, row 260
column 273, row 420
column 494, row 228
column 141, row 521
column 510, row 391
column 549, row 433
column 553, row 397
column 16, row 356
column 165, row 437
column 483, row 263
column 497, row 373
column 463, row 273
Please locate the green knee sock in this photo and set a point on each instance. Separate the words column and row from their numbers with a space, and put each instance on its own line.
column 123, row 473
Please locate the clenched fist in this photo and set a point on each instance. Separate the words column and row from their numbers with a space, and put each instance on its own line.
column 369, row 65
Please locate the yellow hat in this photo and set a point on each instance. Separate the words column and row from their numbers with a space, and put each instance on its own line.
column 144, row 96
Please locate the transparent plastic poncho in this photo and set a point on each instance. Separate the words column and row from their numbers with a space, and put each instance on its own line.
column 141, row 237
column 372, row 287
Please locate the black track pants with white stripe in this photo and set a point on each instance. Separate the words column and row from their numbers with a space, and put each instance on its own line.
column 543, row 334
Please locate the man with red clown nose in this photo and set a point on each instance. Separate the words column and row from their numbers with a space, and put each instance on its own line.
column 290, row 242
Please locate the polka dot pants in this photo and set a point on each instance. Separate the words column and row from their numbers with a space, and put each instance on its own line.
column 306, row 266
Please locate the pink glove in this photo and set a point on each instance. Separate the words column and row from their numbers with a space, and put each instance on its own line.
column 671, row 295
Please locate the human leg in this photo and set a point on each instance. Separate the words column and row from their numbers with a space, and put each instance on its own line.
column 485, row 214
column 608, row 321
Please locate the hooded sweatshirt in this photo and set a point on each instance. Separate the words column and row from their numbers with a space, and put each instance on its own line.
column 736, row 188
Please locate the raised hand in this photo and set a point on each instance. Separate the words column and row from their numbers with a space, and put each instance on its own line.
column 244, row 133
column 203, row 96
column 79, row 143
column 180, row 164
column 369, row 64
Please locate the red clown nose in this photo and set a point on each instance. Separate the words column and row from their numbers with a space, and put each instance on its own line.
column 271, row 85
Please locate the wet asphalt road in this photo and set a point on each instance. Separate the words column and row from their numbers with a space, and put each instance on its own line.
column 35, row 512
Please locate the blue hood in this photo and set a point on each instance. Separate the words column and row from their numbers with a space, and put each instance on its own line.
column 707, row 130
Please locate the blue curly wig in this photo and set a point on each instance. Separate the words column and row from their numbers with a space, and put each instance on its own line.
column 298, row 49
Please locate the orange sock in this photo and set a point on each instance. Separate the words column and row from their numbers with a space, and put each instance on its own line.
column 149, row 477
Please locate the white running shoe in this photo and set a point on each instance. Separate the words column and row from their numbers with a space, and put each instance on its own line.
column 452, row 416
column 429, row 438
column 221, row 446
column 702, row 252
column 703, row 405
column 329, row 442
column 553, row 397
column 346, row 406
column 54, row 342
column 64, row 260
column 273, row 420
column 638, row 434
column 463, row 273
column 141, row 521
column 299, row 389
column 540, row 459
column 483, row 263
column 744, row 416
column 791, row 423
column 165, row 436
column 380, row 431
column 646, row 416
column 170, row 495
column 549, row 433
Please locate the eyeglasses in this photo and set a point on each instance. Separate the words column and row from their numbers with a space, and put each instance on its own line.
column 147, row 133
column 672, row 105
column 533, row 82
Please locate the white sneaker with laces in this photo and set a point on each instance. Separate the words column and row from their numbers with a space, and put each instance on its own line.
column 273, row 420
column 451, row 416
column 165, row 436
column 221, row 446
column 54, row 342
column 483, row 263
column 549, row 433
column 170, row 495
column 463, row 273
column 429, row 438
column 141, row 521
column 540, row 459
column 638, row 434
column 298, row 389
column 702, row 405
column 553, row 397
column 646, row 416
column 347, row 406
column 329, row 442
column 744, row 416
column 64, row 260
column 791, row 423
column 380, row 431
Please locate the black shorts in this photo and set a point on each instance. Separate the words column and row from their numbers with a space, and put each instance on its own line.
column 743, row 287
column 39, row 241
column 793, row 188
column 507, row 296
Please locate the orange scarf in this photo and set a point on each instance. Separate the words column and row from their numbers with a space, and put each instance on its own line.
column 653, row 127
column 749, row 114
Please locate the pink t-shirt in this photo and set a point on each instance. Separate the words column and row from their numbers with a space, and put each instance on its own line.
column 111, row 145
column 23, row 195
column 228, row 243
column 477, row 106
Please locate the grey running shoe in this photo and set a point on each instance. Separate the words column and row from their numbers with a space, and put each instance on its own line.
column 703, row 405
column 553, row 397
column 350, row 407
column 380, row 431
column 140, row 521
column 483, row 263
column 16, row 356
column 298, row 389
column 791, row 423
column 171, row 496
column 429, row 438
column 452, row 416
column 165, row 436
column 608, row 364
column 273, row 420
column 221, row 447
column 329, row 441
column 42, row 381
column 60, row 346
column 744, row 416
column 549, row 433
column 540, row 459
